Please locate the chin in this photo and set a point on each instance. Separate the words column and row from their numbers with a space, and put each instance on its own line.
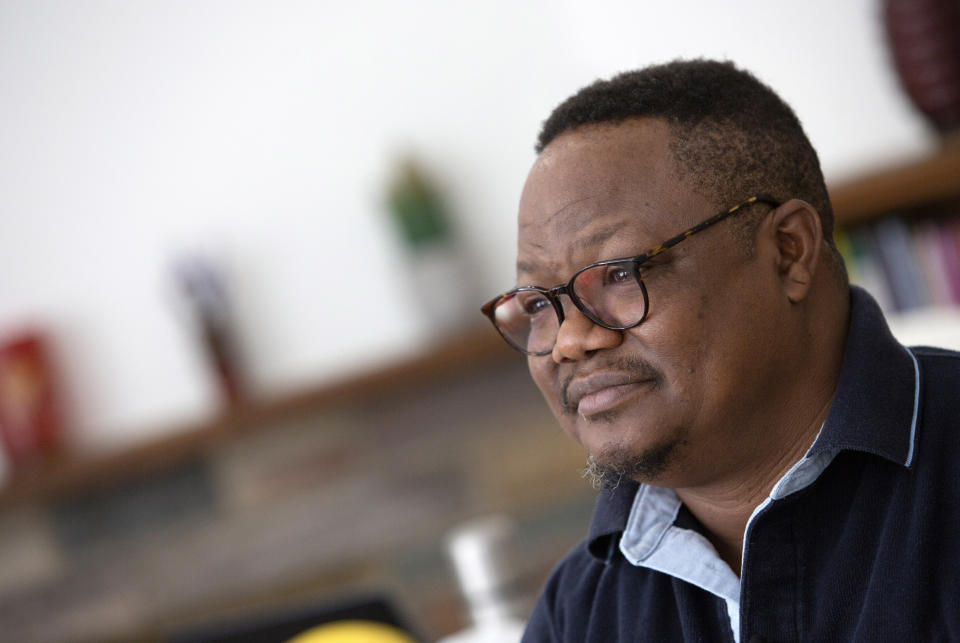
column 607, row 466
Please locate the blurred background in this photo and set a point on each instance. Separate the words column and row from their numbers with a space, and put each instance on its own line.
column 243, row 247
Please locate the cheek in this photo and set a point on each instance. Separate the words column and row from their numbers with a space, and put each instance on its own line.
column 545, row 377
column 681, row 344
column 717, row 349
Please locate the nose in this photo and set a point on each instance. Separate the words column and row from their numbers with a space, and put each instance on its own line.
column 578, row 337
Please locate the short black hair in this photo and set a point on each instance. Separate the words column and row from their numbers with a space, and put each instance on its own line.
column 733, row 136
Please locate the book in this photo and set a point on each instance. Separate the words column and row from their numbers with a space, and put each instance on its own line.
column 949, row 235
column 900, row 264
column 863, row 264
column 929, row 255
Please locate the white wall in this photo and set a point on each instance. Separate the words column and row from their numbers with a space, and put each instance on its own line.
column 263, row 132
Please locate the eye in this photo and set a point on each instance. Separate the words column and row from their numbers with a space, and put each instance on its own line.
column 618, row 274
column 534, row 303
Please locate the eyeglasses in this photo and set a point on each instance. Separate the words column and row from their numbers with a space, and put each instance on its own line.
column 609, row 293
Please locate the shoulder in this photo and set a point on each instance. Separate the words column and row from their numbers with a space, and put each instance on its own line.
column 939, row 383
column 561, row 611
column 589, row 599
column 570, row 582
column 938, row 406
column 943, row 356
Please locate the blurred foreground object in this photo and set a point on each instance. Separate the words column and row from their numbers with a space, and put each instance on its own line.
column 353, row 632
column 204, row 285
column 924, row 38
column 29, row 415
column 481, row 551
column 359, row 619
column 440, row 279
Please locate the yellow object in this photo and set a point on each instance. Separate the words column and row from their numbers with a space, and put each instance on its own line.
column 352, row 632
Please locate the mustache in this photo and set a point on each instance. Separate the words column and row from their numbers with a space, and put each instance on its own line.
column 637, row 368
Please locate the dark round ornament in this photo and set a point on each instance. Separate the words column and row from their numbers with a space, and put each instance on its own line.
column 924, row 38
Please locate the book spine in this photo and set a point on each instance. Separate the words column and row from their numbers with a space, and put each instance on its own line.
column 866, row 269
column 929, row 255
column 899, row 264
column 949, row 236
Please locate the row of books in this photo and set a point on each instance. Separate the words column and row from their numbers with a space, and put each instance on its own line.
column 905, row 263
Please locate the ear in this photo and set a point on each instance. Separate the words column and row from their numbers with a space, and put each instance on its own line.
column 797, row 233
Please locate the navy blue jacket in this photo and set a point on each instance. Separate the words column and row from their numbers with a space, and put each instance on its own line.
column 869, row 552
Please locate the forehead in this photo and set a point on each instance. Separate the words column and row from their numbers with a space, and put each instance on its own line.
column 602, row 188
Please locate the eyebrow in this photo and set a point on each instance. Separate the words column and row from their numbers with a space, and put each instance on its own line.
column 594, row 239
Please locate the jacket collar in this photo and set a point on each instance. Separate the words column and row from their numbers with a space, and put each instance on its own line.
column 876, row 406
column 874, row 410
column 610, row 519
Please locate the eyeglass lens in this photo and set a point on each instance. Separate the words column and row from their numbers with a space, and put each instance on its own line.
column 611, row 295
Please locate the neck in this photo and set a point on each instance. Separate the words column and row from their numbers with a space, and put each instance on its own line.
column 780, row 437
column 725, row 507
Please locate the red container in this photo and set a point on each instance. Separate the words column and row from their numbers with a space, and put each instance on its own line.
column 28, row 413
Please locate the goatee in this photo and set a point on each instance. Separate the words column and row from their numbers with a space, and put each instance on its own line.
column 646, row 467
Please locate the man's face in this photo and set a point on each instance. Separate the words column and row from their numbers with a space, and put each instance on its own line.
column 666, row 400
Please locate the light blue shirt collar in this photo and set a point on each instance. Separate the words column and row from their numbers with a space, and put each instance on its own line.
column 652, row 540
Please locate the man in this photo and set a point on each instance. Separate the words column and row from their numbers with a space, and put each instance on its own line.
column 775, row 465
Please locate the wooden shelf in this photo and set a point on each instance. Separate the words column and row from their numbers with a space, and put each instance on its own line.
column 924, row 182
column 69, row 474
